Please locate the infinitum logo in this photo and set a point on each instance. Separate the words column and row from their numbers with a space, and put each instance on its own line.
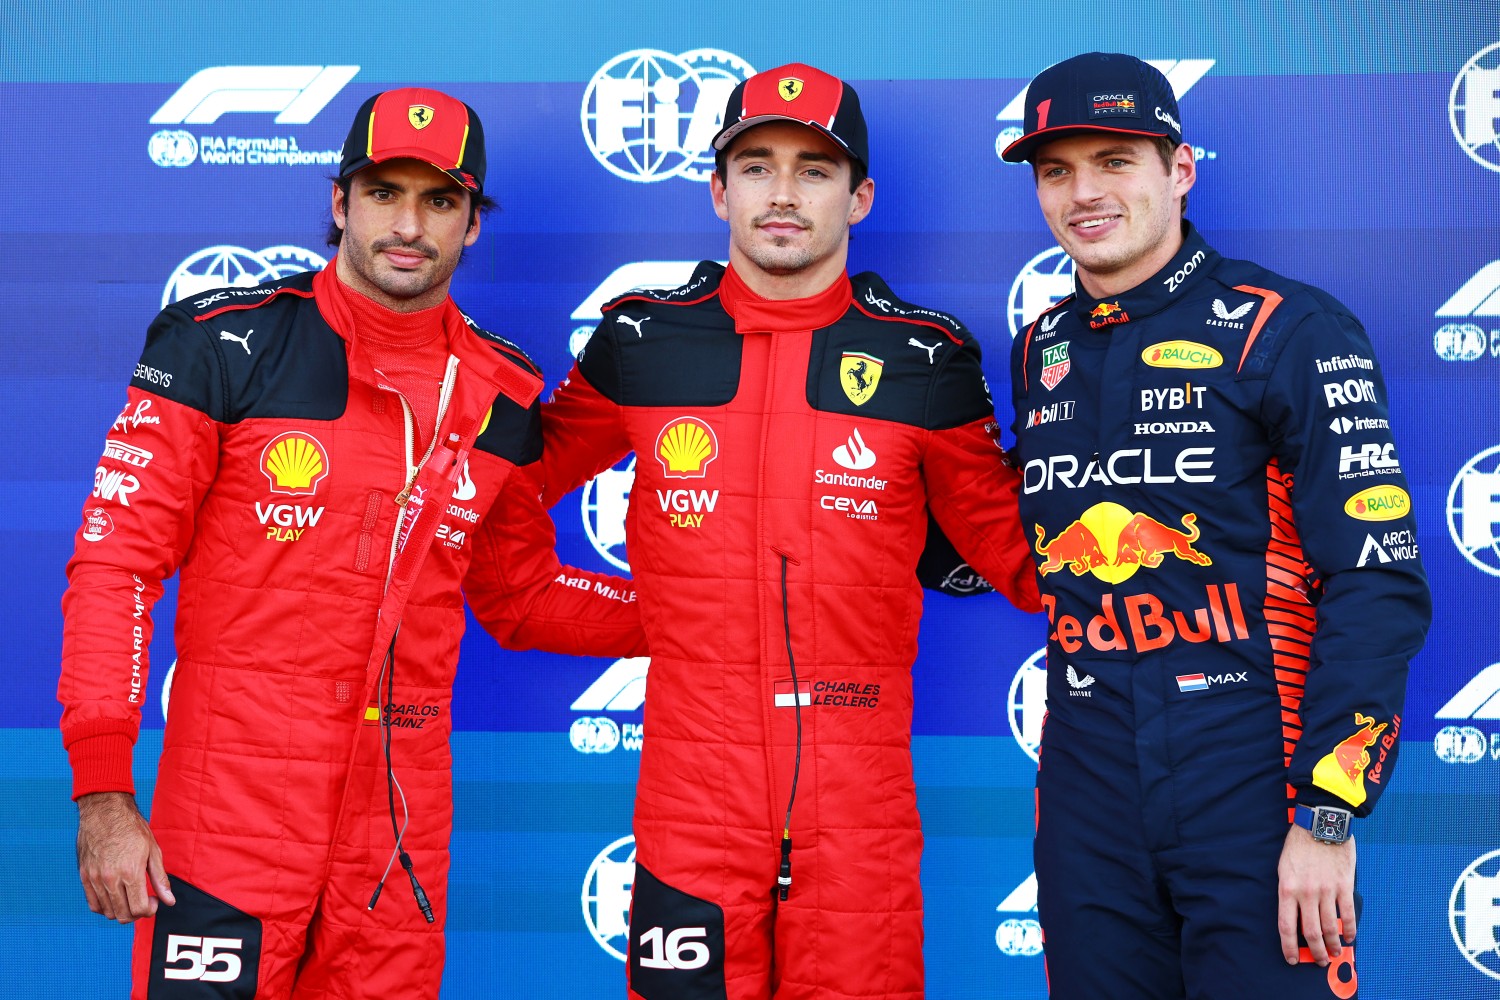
column 294, row 94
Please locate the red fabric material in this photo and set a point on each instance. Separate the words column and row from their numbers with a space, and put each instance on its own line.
column 409, row 349
column 271, row 791
column 755, row 314
column 715, row 584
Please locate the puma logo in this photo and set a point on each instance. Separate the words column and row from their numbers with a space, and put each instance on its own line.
column 914, row 342
column 242, row 341
column 636, row 323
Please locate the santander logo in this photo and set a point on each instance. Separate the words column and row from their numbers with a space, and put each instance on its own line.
column 854, row 454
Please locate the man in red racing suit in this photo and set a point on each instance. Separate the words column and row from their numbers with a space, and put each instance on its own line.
column 794, row 428
column 332, row 462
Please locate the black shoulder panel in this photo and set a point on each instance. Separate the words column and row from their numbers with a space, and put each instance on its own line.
column 672, row 348
column 504, row 346
column 236, row 353
column 894, row 361
column 513, row 432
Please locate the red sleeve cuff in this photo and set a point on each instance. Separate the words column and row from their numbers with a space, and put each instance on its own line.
column 101, row 764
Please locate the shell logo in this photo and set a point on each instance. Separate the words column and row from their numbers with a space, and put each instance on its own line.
column 295, row 463
column 685, row 446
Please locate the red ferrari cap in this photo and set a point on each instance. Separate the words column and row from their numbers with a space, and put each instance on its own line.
column 420, row 124
column 799, row 93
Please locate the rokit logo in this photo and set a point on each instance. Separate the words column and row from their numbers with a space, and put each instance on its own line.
column 1474, row 510
column 1474, row 914
column 1474, row 107
column 621, row 688
column 294, row 94
column 1477, row 302
column 214, row 275
column 1181, row 74
column 606, row 896
column 649, row 115
column 1463, row 741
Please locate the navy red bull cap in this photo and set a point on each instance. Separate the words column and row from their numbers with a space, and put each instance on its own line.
column 799, row 93
column 419, row 124
column 1096, row 92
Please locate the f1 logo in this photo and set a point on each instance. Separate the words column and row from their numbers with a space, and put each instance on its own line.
column 295, row 93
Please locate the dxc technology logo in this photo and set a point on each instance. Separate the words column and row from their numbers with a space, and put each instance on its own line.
column 649, row 115
column 1474, row 107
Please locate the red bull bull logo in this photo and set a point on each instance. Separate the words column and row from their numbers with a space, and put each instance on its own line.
column 1342, row 771
column 1106, row 313
column 1112, row 542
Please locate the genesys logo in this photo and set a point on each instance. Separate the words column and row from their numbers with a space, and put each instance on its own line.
column 1476, row 703
column 1474, row 914
column 294, row 94
column 226, row 273
column 1469, row 310
column 1474, row 107
column 649, row 115
column 621, row 688
column 1474, row 510
column 1180, row 73
column 606, row 896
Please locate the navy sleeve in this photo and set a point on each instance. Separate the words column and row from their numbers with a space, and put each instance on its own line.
column 1342, row 498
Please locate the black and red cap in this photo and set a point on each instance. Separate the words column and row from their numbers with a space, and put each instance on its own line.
column 799, row 93
column 1096, row 92
column 419, row 124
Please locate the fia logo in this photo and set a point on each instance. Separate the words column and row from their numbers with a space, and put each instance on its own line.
column 1044, row 281
column 1474, row 510
column 649, row 115
column 606, row 896
column 1474, row 107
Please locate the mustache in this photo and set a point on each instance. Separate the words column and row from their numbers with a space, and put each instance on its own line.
column 792, row 217
column 393, row 242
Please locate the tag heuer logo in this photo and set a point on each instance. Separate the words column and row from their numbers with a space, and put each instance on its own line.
column 1055, row 364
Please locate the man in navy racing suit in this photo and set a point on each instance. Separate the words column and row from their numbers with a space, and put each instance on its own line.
column 1228, row 563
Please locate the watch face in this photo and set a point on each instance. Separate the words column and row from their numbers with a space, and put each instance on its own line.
column 1329, row 825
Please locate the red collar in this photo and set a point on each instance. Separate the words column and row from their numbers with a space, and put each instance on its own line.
column 754, row 314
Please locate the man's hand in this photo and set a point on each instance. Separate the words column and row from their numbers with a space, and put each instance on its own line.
column 116, row 856
column 1316, row 893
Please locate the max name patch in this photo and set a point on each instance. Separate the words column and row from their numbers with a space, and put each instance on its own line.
column 1111, row 105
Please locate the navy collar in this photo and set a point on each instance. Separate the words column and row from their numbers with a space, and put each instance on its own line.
column 1190, row 265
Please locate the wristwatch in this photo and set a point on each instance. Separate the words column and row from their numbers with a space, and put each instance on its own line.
column 1327, row 824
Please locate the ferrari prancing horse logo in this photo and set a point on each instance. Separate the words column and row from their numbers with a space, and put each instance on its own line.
column 860, row 375
column 790, row 88
column 420, row 116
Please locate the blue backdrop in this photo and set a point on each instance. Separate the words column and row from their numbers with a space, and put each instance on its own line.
column 150, row 154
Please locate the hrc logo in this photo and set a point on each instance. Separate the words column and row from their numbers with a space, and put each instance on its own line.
column 295, row 463
column 685, row 447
